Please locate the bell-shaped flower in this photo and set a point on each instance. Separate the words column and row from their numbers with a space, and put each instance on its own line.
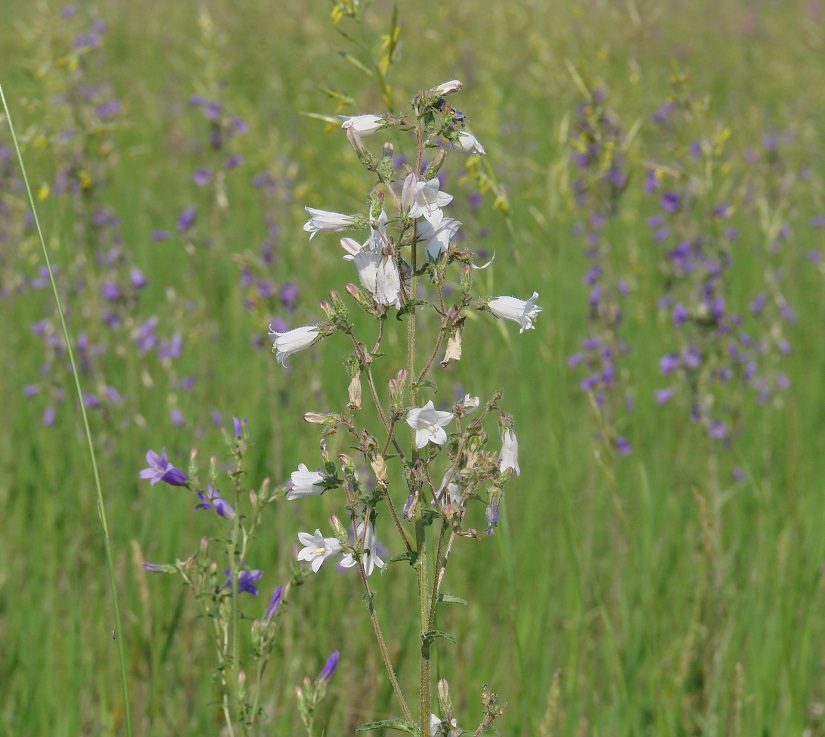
column 470, row 403
column 445, row 88
column 467, row 143
column 305, row 483
column 428, row 423
column 377, row 270
column 437, row 240
column 440, row 726
column 508, row 458
column 364, row 125
column 285, row 344
column 370, row 558
column 161, row 470
column 317, row 548
column 518, row 310
column 213, row 500
column 424, row 199
column 328, row 222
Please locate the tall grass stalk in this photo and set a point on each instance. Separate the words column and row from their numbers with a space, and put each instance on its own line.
column 101, row 507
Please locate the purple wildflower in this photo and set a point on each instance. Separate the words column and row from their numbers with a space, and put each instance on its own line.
column 329, row 667
column 186, row 219
column 274, row 603
column 214, row 501
column 201, row 176
column 161, row 470
column 246, row 580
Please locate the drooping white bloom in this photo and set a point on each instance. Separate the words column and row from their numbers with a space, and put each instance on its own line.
column 370, row 557
column 365, row 125
column 377, row 270
column 317, row 548
column 445, row 88
column 438, row 239
column 467, row 143
column 285, row 344
column 424, row 199
column 428, row 423
column 436, row 722
column 508, row 458
column 327, row 221
column 305, row 483
column 518, row 310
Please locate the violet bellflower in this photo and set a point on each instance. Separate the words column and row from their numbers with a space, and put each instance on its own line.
column 246, row 580
column 274, row 603
column 428, row 423
column 329, row 668
column 518, row 310
column 161, row 470
column 213, row 500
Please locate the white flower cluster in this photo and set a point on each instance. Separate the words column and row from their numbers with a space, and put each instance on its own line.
column 387, row 281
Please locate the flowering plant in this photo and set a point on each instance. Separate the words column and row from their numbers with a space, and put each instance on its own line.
column 404, row 262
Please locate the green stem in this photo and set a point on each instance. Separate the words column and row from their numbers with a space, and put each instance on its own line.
column 424, row 620
column 101, row 509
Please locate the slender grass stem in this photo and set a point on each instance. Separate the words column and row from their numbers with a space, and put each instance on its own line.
column 101, row 507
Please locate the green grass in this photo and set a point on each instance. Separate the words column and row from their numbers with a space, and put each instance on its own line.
column 606, row 584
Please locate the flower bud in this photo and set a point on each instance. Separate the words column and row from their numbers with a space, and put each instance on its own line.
column 364, row 156
column 435, row 165
column 444, row 699
column 379, row 468
column 355, row 392
column 445, row 88
column 338, row 528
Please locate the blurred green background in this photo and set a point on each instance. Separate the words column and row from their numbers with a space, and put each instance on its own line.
column 620, row 596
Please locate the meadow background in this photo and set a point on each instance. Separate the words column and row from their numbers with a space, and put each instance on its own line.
column 673, row 590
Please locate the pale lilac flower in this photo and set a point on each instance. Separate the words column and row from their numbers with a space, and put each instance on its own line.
column 317, row 548
column 285, row 344
column 161, row 470
column 327, row 221
column 305, row 483
column 518, row 310
column 428, row 424
column 424, row 199
column 370, row 558
column 467, row 143
column 508, row 458
column 364, row 125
